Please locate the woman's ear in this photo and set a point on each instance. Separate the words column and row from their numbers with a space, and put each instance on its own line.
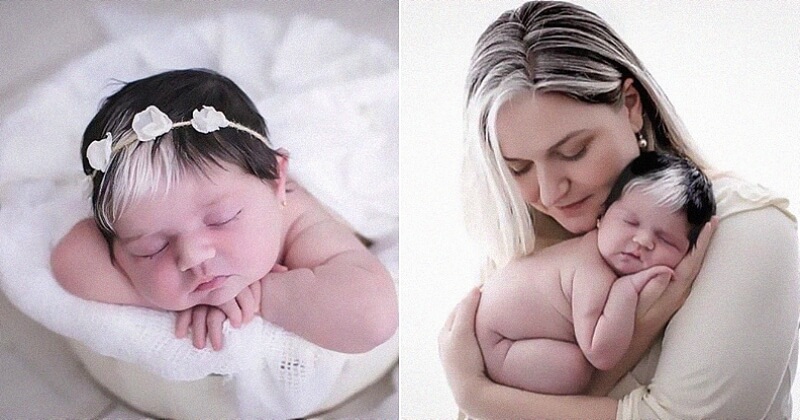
column 633, row 105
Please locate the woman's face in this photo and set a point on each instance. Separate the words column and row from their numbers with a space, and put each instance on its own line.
column 565, row 154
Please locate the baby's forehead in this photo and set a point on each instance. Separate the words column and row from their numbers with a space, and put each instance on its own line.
column 646, row 205
column 190, row 192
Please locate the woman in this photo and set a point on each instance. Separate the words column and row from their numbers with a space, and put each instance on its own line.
column 557, row 105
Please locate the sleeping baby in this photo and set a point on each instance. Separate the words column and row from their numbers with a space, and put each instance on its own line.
column 547, row 321
column 194, row 213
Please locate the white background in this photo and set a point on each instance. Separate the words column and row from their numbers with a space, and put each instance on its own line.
column 731, row 69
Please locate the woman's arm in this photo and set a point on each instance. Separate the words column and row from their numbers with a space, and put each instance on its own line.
column 479, row 397
column 81, row 264
column 726, row 352
column 336, row 294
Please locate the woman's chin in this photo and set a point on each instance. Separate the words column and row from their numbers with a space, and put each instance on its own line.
column 577, row 226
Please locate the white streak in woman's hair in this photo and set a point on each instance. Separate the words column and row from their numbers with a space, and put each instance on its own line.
column 666, row 187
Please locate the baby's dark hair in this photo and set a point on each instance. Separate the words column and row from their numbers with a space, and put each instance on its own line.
column 141, row 167
column 675, row 182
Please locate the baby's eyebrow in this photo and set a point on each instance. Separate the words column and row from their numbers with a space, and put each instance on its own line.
column 130, row 239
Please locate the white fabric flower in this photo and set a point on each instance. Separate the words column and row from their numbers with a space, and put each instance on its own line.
column 208, row 119
column 99, row 153
column 151, row 123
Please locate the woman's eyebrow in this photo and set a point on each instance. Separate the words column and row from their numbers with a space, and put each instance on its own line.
column 569, row 136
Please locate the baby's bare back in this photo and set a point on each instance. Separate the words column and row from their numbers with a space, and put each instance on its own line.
column 531, row 297
column 525, row 323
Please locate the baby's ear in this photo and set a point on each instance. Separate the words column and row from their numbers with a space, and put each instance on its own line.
column 282, row 161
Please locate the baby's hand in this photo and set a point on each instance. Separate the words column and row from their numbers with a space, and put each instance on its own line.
column 279, row 268
column 206, row 321
column 659, row 274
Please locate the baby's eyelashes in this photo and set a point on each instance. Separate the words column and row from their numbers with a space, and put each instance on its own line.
column 153, row 254
column 223, row 220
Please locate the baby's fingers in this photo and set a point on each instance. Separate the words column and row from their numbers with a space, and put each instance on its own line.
column 247, row 305
column 255, row 287
column 182, row 321
column 199, row 314
column 214, row 326
column 279, row 268
column 233, row 312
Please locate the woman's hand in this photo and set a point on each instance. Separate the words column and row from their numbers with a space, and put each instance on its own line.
column 459, row 351
column 658, row 314
column 206, row 321
column 653, row 318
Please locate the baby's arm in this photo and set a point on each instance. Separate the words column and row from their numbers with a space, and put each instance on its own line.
column 603, row 316
column 81, row 264
column 336, row 294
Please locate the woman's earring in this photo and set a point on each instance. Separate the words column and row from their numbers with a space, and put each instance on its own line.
column 641, row 140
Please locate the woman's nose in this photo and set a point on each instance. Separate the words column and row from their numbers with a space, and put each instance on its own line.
column 644, row 240
column 193, row 250
column 552, row 186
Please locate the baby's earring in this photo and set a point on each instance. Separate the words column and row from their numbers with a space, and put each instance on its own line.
column 598, row 223
column 283, row 203
column 641, row 140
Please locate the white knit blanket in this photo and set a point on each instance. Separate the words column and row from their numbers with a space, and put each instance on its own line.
column 329, row 97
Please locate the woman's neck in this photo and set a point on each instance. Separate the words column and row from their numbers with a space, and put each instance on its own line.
column 548, row 231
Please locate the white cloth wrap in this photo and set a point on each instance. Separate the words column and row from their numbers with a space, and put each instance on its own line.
column 329, row 97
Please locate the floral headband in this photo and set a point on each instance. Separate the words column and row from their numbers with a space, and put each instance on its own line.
column 151, row 123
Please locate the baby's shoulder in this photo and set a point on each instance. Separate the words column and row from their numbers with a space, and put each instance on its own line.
column 308, row 221
column 571, row 251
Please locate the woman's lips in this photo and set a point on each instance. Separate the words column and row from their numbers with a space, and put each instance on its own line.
column 212, row 283
column 575, row 207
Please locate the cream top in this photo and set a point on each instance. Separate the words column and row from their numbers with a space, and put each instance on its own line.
column 731, row 350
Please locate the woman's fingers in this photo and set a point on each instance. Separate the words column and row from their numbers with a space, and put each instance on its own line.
column 462, row 320
column 690, row 265
column 678, row 290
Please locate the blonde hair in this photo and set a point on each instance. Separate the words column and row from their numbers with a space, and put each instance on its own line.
column 545, row 46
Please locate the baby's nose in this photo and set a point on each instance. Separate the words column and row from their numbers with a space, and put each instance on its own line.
column 644, row 241
column 194, row 251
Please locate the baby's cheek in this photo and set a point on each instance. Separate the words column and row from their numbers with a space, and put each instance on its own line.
column 672, row 258
column 161, row 285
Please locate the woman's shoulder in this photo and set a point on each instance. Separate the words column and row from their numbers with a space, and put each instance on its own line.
column 735, row 195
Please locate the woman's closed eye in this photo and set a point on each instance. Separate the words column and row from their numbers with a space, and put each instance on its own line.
column 573, row 155
column 519, row 168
